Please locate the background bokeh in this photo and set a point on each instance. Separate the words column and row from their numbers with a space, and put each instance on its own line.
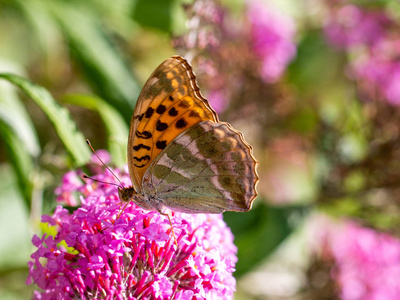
column 313, row 85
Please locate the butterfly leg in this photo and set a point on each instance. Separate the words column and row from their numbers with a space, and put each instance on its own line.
column 170, row 223
column 122, row 210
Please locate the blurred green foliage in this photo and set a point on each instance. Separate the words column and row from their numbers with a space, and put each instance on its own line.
column 83, row 64
column 73, row 51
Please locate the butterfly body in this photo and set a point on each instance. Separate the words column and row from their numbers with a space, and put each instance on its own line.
column 179, row 155
column 142, row 200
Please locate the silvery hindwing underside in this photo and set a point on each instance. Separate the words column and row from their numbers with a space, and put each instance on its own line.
column 209, row 168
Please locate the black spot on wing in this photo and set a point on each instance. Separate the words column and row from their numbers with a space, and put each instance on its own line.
column 161, row 109
column 171, row 98
column 161, row 145
column 173, row 112
column 181, row 123
column 141, row 146
column 143, row 134
column 139, row 166
column 146, row 157
column 160, row 126
column 149, row 112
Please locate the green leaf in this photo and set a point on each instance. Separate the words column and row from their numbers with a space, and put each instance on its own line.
column 20, row 159
column 116, row 127
column 18, row 136
column 100, row 61
column 167, row 16
column 59, row 116
column 14, row 236
column 15, row 245
column 260, row 231
column 155, row 14
column 14, row 114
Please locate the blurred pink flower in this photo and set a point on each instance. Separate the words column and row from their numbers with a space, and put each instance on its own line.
column 132, row 257
column 367, row 263
column 218, row 100
column 272, row 39
column 373, row 41
column 380, row 69
column 351, row 26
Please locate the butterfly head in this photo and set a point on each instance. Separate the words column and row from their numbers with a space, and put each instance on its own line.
column 126, row 194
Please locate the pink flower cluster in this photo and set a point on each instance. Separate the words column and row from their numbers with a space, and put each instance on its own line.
column 96, row 255
column 372, row 39
column 368, row 263
column 272, row 39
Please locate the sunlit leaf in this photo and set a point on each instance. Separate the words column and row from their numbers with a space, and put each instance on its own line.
column 19, row 157
column 98, row 58
column 15, row 242
column 116, row 127
column 14, row 114
column 72, row 139
column 14, row 236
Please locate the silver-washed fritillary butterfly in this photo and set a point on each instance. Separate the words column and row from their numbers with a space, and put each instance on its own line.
column 179, row 155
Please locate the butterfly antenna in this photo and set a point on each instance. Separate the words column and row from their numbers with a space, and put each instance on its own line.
column 90, row 145
column 91, row 178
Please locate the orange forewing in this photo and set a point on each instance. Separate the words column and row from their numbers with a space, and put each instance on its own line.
column 169, row 103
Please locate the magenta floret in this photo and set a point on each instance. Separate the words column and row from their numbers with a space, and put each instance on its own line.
column 133, row 257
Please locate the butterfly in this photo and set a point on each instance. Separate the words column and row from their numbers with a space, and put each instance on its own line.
column 180, row 156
